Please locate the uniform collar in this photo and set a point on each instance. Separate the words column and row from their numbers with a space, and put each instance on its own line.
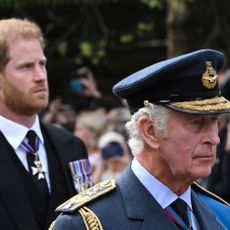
column 156, row 188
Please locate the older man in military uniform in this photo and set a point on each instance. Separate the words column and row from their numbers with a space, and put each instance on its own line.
column 173, row 134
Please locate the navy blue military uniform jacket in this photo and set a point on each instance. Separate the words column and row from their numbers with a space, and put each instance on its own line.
column 128, row 205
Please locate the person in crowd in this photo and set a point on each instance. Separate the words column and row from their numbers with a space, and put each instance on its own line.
column 173, row 134
column 85, row 94
column 59, row 114
column 114, row 153
column 68, row 112
column 34, row 159
column 53, row 114
column 117, row 118
column 89, row 126
column 83, row 89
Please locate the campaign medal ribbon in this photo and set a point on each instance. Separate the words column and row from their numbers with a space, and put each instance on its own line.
column 82, row 174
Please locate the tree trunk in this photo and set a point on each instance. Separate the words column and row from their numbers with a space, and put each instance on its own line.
column 176, row 36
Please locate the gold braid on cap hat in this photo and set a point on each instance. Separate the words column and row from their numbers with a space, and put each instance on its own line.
column 217, row 103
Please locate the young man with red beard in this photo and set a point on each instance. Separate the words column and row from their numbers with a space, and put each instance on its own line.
column 34, row 159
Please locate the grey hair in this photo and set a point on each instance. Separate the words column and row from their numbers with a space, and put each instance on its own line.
column 159, row 116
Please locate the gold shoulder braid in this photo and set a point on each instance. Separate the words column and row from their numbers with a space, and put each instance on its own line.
column 75, row 203
column 199, row 188
column 86, row 196
column 90, row 219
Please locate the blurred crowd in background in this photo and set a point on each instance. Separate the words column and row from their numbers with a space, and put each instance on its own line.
column 100, row 120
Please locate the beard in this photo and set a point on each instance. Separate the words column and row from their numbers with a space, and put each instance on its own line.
column 23, row 103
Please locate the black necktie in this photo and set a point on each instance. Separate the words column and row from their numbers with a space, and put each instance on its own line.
column 180, row 207
column 35, row 167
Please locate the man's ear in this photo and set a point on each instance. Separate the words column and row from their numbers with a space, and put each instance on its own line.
column 147, row 132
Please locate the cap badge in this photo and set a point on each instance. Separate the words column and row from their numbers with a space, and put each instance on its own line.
column 146, row 103
column 209, row 77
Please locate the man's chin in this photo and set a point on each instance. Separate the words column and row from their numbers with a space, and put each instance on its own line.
column 203, row 173
column 36, row 108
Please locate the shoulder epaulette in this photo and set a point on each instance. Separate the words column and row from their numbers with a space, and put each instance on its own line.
column 199, row 188
column 74, row 203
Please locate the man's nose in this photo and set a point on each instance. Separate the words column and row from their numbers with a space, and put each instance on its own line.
column 40, row 73
column 212, row 134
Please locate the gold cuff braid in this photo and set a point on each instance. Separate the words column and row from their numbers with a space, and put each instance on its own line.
column 90, row 219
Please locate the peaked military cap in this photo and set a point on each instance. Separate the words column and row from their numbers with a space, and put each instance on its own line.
column 187, row 83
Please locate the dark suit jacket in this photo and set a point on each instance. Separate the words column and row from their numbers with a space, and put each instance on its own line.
column 15, row 210
column 131, row 206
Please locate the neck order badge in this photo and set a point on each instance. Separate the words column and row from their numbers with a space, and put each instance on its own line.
column 31, row 147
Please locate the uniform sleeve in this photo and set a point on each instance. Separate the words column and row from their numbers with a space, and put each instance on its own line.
column 69, row 222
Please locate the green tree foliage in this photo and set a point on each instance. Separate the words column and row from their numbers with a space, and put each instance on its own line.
column 121, row 36
column 85, row 31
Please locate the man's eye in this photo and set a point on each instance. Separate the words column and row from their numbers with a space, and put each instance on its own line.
column 197, row 122
column 43, row 63
column 215, row 119
column 26, row 66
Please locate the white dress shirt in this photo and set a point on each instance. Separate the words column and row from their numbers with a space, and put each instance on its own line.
column 161, row 192
column 15, row 134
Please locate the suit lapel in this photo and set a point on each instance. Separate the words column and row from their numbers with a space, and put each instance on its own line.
column 67, row 149
column 140, row 204
column 57, row 145
column 16, row 200
column 64, row 154
column 205, row 217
